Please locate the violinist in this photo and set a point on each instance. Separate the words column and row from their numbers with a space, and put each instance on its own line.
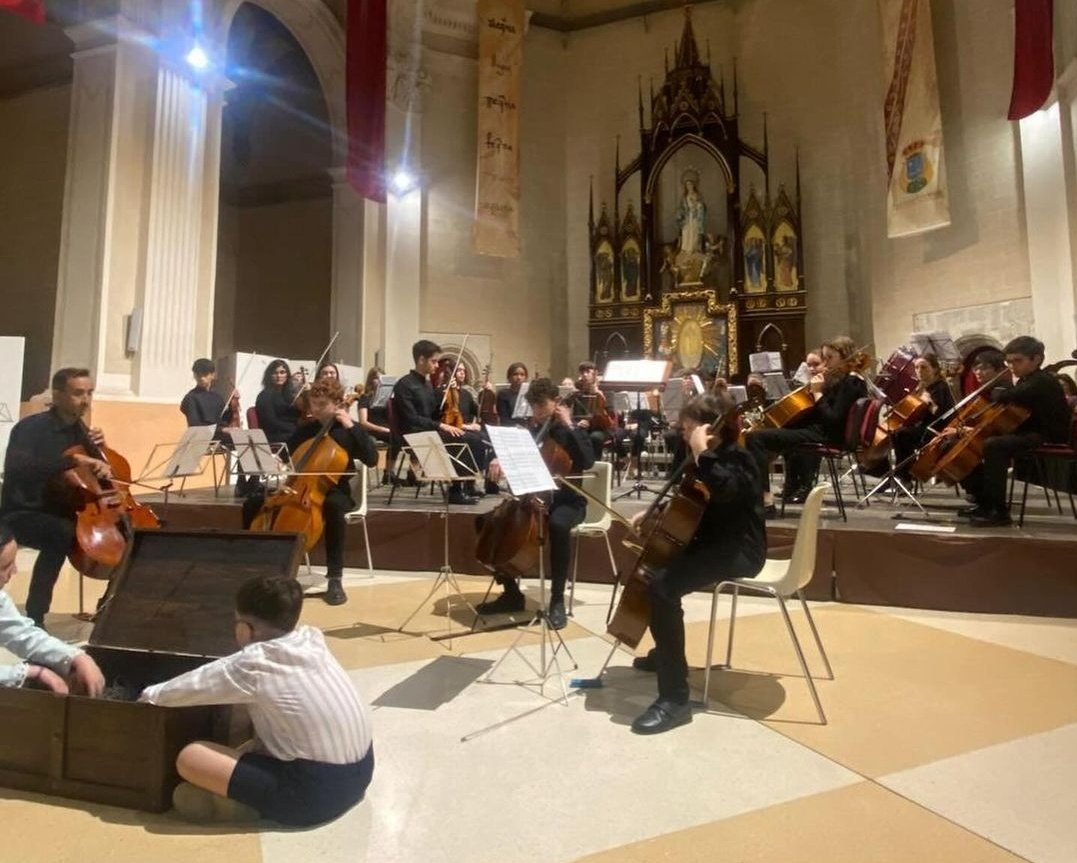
column 32, row 508
column 932, row 388
column 461, row 395
column 506, row 398
column 836, row 391
column 567, row 508
column 418, row 408
column 1041, row 394
column 325, row 398
column 588, row 406
column 373, row 420
column 730, row 542
column 277, row 414
column 203, row 406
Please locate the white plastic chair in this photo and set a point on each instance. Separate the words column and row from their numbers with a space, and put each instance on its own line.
column 359, row 495
column 598, row 481
column 781, row 579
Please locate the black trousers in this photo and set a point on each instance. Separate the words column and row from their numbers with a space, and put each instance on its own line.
column 800, row 468
column 562, row 518
column 337, row 505
column 693, row 570
column 476, row 448
column 987, row 483
column 53, row 536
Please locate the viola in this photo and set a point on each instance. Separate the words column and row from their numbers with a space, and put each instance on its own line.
column 297, row 507
column 488, row 414
column 106, row 511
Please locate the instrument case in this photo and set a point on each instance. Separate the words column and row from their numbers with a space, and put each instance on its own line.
column 170, row 609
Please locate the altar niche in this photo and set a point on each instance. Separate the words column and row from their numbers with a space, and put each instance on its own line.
column 687, row 243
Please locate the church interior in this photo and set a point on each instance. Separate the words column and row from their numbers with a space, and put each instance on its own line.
column 822, row 254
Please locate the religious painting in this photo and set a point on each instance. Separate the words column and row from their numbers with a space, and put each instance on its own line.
column 755, row 260
column 785, row 258
column 694, row 331
column 630, row 271
column 604, row 272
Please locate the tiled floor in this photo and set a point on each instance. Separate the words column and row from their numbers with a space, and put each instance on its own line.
column 951, row 738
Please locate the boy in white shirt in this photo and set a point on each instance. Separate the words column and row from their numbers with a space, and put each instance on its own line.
column 312, row 758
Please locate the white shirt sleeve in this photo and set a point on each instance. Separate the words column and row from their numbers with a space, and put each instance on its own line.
column 27, row 641
column 229, row 680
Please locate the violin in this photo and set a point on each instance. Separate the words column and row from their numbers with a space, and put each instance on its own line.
column 450, row 408
column 296, row 507
column 488, row 414
column 106, row 511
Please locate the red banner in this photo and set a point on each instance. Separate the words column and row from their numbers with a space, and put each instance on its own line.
column 1033, row 56
column 33, row 10
column 365, row 96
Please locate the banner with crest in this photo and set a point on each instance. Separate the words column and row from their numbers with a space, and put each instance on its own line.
column 497, row 192
column 917, row 198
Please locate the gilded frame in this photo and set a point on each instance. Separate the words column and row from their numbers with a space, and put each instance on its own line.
column 665, row 311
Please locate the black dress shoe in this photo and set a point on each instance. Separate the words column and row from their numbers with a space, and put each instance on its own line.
column 334, row 593
column 645, row 663
column 556, row 616
column 504, row 604
column 460, row 498
column 969, row 511
column 663, row 715
column 797, row 495
column 491, row 487
column 770, row 512
column 990, row 518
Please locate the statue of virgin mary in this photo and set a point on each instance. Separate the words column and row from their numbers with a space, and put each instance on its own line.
column 691, row 214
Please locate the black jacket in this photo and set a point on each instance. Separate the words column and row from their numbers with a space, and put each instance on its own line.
column 415, row 404
column 203, row 408
column 1049, row 412
column 577, row 444
column 35, row 459
column 277, row 416
column 732, row 529
column 832, row 408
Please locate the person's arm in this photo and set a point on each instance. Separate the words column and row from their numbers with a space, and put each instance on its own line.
column 229, row 680
column 187, row 408
column 364, row 422
column 408, row 404
column 26, row 462
column 578, row 444
column 22, row 637
column 363, row 446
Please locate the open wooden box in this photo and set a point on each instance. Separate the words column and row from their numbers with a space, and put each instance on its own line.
column 171, row 610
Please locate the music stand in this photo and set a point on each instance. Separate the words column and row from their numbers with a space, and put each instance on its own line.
column 522, row 409
column 184, row 459
column 526, row 473
column 255, row 455
column 636, row 376
column 434, row 462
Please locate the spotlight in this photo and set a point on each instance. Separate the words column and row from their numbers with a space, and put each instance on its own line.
column 197, row 58
column 403, row 181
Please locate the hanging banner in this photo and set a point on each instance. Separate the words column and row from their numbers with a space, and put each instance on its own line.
column 497, row 182
column 916, row 200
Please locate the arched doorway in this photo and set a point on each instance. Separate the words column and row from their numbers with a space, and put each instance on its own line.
column 275, row 232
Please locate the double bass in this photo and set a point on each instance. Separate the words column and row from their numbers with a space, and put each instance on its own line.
column 106, row 513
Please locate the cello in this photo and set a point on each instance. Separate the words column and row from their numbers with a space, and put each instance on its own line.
column 106, row 513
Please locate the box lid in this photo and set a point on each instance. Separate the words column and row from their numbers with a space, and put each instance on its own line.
column 175, row 590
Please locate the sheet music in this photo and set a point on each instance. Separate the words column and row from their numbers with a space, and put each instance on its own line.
column 765, row 361
column 520, row 460
column 385, row 389
column 649, row 373
column 522, row 409
column 434, row 460
column 673, row 399
column 187, row 458
column 254, row 453
column 5, row 413
column 739, row 394
column 776, row 384
column 698, row 384
column 941, row 344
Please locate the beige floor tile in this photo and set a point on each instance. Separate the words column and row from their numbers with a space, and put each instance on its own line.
column 1019, row 794
column 41, row 829
column 905, row 694
column 857, row 824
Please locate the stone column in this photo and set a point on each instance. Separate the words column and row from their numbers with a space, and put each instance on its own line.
column 346, row 303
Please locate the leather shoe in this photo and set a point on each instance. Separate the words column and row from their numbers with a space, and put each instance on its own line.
column 460, row 498
column 798, row 495
column 770, row 512
column 663, row 715
column 334, row 593
column 556, row 616
column 504, row 604
column 990, row 518
column 969, row 511
column 645, row 663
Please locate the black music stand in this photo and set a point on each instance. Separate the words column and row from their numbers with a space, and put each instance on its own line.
column 636, row 376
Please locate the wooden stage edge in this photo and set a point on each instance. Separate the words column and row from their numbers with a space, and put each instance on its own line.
column 865, row 561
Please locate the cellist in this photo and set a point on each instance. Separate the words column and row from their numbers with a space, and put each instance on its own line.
column 567, row 507
column 37, row 516
column 1048, row 422
column 730, row 542
column 932, row 388
column 325, row 398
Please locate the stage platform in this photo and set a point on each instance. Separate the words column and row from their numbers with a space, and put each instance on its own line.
column 873, row 559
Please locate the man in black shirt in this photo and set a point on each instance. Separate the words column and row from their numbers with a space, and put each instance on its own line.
column 567, row 507
column 417, row 408
column 1048, row 422
column 836, row 392
column 202, row 406
column 324, row 398
column 730, row 542
column 31, row 506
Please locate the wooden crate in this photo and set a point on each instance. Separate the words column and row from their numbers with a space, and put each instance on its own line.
column 170, row 610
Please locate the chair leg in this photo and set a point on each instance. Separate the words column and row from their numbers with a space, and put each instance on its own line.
column 710, row 644
column 800, row 657
column 609, row 551
column 815, row 635
column 366, row 545
column 575, row 569
column 732, row 624
column 833, row 470
column 306, row 560
column 1024, row 502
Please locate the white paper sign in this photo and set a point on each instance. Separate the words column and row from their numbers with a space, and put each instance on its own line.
column 520, row 460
